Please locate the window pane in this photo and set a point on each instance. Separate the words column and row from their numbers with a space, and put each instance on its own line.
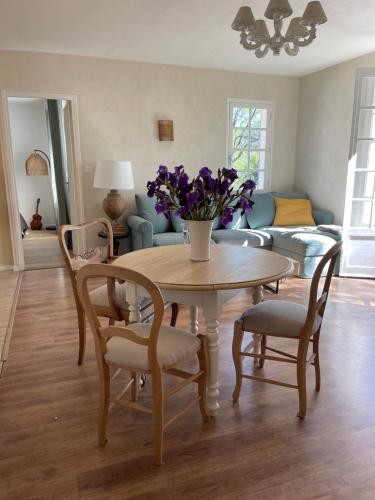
column 366, row 124
column 368, row 91
column 258, row 139
column 244, row 175
column 366, row 155
column 258, row 118
column 240, row 138
column 240, row 117
column 361, row 213
column 260, row 183
column 364, row 184
column 257, row 160
column 240, row 160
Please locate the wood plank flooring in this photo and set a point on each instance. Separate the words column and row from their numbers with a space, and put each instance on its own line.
column 255, row 449
column 42, row 250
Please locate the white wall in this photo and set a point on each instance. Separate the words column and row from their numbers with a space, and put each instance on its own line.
column 29, row 131
column 324, row 127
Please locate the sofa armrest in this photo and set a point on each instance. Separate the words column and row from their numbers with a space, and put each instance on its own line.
column 322, row 217
column 141, row 232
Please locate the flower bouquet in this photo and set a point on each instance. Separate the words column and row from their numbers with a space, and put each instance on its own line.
column 200, row 201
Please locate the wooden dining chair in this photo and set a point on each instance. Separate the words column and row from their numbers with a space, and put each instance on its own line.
column 112, row 306
column 277, row 318
column 142, row 347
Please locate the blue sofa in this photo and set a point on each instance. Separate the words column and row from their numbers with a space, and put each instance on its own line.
column 303, row 244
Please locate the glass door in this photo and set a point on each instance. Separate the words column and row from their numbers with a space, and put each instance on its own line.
column 359, row 217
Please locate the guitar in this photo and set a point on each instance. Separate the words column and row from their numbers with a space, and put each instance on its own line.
column 36, row 223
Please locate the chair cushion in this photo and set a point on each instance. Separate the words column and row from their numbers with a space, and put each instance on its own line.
column 277, row 317
column 243, row 237
column 293, row 212
column 99, row 297
column 146, row 210
column 307, row 241
column 173, row 346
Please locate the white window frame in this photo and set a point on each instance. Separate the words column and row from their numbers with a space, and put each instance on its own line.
column 251, row 103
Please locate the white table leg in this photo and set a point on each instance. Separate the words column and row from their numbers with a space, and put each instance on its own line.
column 257, row 294
column 211, row 313
column 194, row 325
column 134, row 303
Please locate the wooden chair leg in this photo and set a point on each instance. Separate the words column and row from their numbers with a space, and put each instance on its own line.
column 158, row 395
column 175, row 309
column 202, row 383
column 301, row 382
column 82, row 333
column 236, row 348
column 104, row 403
column 263, row 346
column 316, row 362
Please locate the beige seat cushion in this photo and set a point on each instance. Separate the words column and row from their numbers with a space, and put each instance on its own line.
column 174, row 345
column 99, row 297
column 277, row 318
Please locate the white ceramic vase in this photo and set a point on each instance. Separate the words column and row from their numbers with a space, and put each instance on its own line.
column 200, row 238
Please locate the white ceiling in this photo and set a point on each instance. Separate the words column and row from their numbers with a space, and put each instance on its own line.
column 183, row 32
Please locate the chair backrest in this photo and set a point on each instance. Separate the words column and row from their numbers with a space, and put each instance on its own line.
column 101, row 333
column 96, row 254
column 317, row 305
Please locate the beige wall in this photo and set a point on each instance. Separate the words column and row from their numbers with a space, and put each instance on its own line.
column 324, row 127
column 120, row 103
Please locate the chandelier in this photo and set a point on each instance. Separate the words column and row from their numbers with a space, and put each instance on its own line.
column 301, row 30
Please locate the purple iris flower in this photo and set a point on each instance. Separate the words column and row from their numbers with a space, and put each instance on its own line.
column 151, row 188
column 179, row 170
column 227, row 216
column 248, row 185
column 230, row 173
column 205, row 172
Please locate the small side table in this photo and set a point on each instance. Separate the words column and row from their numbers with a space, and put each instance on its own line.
column 116, row 239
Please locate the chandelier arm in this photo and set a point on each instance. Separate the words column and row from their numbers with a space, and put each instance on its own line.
column 249, row 44
column 291, row 48
column 261, row 52
column 308, row 40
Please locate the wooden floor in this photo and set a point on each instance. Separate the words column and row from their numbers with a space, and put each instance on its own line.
column 42, row 250
column 256, row 449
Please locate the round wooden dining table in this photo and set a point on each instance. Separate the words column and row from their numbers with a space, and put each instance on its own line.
column 206, row 285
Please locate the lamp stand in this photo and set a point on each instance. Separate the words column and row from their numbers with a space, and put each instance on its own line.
column 113, row 206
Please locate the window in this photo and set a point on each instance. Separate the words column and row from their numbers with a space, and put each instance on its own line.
column 249, row 140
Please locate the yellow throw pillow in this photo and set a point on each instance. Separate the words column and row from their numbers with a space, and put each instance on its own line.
column 293, row 212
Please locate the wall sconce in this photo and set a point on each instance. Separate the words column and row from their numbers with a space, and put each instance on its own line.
column 166, row 130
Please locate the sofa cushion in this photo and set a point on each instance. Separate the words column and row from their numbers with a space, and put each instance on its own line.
column 146, row 210
column 243, row 237
column 263, row 211
column 293, row 212
column 169, row 238
column 239, row 221
column 307, row 241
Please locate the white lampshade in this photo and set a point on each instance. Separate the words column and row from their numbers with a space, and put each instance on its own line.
column 114, row 175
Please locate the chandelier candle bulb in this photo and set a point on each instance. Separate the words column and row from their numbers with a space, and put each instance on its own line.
column 300, row 33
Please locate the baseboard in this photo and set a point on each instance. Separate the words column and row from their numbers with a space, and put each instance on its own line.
column 6, row 268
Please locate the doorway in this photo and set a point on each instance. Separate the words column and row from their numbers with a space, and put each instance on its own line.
column 41, row 159
column 359, row 216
